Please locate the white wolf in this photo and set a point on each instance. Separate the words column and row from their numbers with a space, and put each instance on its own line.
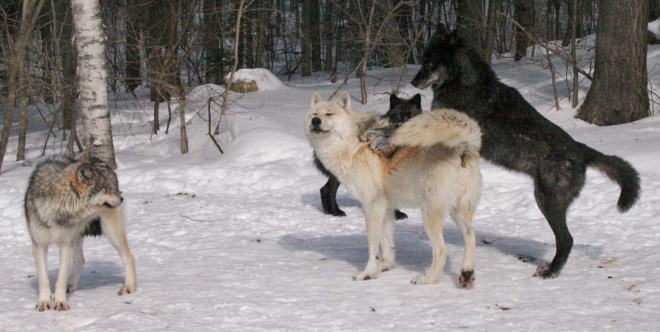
column 435, row 167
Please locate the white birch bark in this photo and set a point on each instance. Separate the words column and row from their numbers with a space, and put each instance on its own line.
column 92, row 73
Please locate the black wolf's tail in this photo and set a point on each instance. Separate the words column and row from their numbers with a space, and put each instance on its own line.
column 619, row 171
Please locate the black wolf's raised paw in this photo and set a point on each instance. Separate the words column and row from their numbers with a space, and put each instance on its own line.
column 375, row 134
column 380, row 144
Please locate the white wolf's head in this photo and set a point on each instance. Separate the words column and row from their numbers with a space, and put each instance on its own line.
column 330, row 118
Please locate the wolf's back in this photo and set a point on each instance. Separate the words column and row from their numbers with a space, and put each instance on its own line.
column 448, row 127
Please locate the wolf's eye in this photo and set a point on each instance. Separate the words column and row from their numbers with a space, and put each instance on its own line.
column 329, row 114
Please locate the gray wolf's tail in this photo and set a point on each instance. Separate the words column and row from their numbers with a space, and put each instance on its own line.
column 448, row 127
column 619, row 171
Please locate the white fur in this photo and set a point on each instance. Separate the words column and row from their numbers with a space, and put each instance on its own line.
column 437, row 171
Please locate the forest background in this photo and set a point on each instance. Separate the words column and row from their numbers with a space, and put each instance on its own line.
column 172, row 46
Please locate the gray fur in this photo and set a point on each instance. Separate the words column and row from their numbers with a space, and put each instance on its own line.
column 65, row 200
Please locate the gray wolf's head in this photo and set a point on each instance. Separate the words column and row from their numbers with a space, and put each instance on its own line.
column 99, row 181
column 402, row 109
column 329, row 118
column 447, row 58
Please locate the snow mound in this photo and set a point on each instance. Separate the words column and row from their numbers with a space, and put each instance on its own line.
column 204, row 92
column 264, row 78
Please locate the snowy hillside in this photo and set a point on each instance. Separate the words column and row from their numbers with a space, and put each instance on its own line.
column 238, row 241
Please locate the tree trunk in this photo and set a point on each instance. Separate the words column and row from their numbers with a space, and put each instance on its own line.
column 134, row 24
column 471, row 23
column 67, row 55
column 618, row 93
column 213, row 44
column 16, row 71
column 654, row 10
column 92, row 73
column 306, row 65
column 524, row 16
column 489, row 41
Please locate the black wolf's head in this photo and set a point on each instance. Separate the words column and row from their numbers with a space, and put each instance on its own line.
column 446, row 58
column 402, row 109
column 100, row 182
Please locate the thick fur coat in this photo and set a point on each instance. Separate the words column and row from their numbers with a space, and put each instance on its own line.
column 400, row 110
column 65, row 200
column 435, row 168
column 518, row 138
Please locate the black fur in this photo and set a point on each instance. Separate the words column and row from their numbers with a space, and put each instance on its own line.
column 517, row 137
column 401, row 110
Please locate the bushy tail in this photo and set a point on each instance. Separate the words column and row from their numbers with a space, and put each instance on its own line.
column 448, row 127
column 621, row 172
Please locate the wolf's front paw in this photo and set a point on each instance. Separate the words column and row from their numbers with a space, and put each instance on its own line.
column 127, row 289
column 42, row 305
column 386, row 265
column 364, row 276
column 61, row 306
column 380, row 144
column 423, row 279
column 373, row 134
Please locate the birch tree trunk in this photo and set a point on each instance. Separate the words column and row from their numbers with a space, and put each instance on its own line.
column 92, row 73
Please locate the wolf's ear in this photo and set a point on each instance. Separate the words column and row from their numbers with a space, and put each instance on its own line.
column 316, row 98
column 85, row 173
column 345, row 100
column 417, row 100
column 86, row 157
column 454, row 38
column 440, row 32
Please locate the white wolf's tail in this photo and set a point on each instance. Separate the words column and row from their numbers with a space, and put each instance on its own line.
column 448, row 127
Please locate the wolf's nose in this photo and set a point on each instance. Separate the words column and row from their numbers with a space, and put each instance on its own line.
column 316, row 121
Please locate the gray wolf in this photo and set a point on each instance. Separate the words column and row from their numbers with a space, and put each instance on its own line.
column 67, row 199
column 435, row 168
column 518, row 138
column 400, row 110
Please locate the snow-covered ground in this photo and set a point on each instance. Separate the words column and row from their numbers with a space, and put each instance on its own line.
column 237, row 241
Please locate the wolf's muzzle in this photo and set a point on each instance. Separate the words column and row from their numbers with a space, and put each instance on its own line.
column 316, row 125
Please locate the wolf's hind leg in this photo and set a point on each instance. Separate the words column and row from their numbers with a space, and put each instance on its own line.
column 77, row 269
column 556, row 185
column 464, row 222
column 433, row 223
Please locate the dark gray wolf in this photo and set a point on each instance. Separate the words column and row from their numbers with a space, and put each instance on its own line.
column 401, row 109
column 518, row 138
column 435, row 168
column 65, row 200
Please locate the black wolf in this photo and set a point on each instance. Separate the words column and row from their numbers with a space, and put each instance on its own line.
column 401, row 109
column 518, row 138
